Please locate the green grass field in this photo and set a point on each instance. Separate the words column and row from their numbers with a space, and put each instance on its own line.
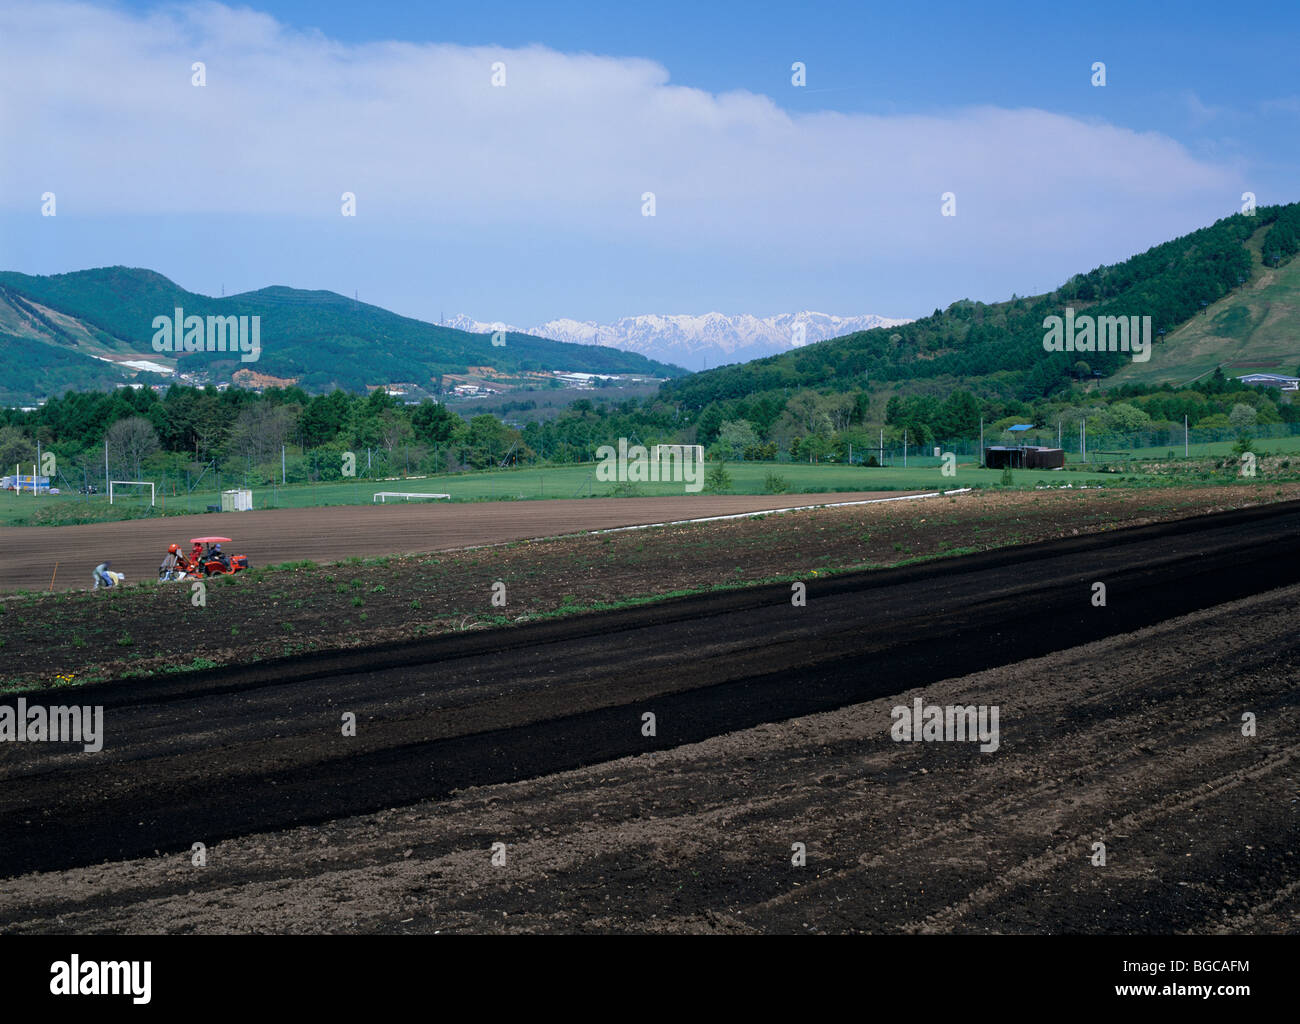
column 1203, row 450
column 534, row 484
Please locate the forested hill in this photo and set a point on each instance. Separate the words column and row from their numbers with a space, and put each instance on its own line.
column 68, row 325
column 1002, row 344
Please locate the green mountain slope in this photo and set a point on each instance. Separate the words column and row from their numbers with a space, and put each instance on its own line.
column 57, row 332
column 998, row 348
column 1254, row 329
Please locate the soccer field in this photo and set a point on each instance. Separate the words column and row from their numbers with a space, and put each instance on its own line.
column 529, row 484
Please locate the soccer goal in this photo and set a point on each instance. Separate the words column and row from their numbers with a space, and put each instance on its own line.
column 131, row 483
column 682, row 452
column 382, row 496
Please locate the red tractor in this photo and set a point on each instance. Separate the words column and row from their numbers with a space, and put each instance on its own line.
column 215, row 562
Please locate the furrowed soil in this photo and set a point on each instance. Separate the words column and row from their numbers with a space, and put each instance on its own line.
column 1134, row 742
column 83, row 637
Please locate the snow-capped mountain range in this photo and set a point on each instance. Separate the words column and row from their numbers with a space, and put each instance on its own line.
column 694, row 342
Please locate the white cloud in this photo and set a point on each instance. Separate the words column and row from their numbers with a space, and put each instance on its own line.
column 100, row 106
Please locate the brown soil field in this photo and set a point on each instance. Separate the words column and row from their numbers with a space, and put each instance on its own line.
column 1134, row 742
column 1161, row 724
column 252, row 616
column 28, row 554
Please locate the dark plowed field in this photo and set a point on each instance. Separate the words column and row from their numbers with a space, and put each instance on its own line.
column 1134, row 740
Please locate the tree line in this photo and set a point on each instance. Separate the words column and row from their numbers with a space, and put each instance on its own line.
column 288, row 434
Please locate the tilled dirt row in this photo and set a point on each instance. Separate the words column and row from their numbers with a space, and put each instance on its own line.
column 233, row 751
column 1135, row 742
column 137, row 630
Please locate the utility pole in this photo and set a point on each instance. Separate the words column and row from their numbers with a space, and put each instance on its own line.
column 981, row 440
column 904, row 447
column 1186, row 444
column 282, row 480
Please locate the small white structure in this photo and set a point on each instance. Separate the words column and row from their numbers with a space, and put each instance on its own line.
column 238, row 500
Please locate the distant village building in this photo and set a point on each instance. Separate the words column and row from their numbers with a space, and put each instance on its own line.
column 1271, row 380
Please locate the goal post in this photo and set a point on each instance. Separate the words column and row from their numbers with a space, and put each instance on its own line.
column 131, row 483
column 383, row 496
column 683, row 452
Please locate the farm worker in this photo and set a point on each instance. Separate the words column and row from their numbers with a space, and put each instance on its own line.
column 170, row 562
column 196, row 554
column 220, row 556
column 102, row 576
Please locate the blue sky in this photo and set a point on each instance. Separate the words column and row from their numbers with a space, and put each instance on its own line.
column 523, row 203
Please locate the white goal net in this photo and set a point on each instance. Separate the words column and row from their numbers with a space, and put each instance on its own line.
column 683, row 453
column 113, row 485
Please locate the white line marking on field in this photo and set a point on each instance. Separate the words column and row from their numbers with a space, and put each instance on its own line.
column 682, row 522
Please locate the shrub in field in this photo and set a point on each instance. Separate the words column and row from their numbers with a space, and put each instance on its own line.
column 775, row 484
column 717, row 479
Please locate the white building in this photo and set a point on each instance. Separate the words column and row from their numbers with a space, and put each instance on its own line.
column 1271, row 380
